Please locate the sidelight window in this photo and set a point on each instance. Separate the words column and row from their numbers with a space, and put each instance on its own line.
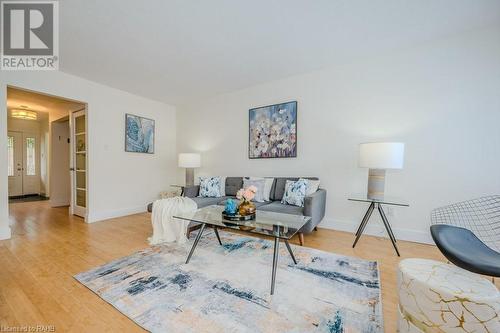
column 30, row 157
column 10, row 156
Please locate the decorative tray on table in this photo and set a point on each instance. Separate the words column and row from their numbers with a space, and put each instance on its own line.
column 237, row 217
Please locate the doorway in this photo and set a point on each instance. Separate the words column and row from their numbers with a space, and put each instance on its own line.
column 45, row 152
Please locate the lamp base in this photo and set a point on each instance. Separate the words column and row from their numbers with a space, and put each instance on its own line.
column 189, row 176
column 376, row 184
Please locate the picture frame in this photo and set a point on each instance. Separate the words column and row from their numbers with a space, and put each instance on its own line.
column 272, row 131
column 139, row 134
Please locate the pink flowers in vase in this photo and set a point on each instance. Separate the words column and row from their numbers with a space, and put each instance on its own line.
column 246, row 194
column 246, row 207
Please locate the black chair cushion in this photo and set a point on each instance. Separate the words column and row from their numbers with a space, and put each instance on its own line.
column 464, row 249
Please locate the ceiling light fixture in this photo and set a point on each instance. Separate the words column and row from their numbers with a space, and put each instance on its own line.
column 23, row 114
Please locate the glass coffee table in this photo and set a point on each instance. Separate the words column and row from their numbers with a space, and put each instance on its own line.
column 277, row 225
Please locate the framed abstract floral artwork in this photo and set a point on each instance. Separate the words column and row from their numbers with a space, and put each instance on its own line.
column 139, row 134
column 273, row 131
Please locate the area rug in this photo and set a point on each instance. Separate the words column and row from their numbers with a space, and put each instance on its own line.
column 227, row 288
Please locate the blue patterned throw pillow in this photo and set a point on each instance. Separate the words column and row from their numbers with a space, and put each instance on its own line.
column 295, row 192
column 210, row 187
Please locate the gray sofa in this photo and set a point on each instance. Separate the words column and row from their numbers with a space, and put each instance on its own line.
column 314, row 204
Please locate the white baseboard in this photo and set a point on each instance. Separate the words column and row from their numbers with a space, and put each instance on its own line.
column 374, row 228
column 377, row 229
column 5, row 232
column 111, row 214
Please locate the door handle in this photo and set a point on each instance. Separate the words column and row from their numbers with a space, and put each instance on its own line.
column 71, row 169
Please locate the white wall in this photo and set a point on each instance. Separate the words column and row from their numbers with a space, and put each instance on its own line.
column 22, row 125
column 60, row 179
column 120, row 183
column 442, row 99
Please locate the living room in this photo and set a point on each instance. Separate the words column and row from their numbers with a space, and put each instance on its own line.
column 390, row 111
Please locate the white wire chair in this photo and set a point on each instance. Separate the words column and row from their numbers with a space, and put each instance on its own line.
column 481, row 216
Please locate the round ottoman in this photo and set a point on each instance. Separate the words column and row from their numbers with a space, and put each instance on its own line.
column 438, row 297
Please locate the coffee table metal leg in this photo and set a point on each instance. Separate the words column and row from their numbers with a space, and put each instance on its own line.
column 290, row 251
column 197, row 239
column 217, row 234
column 275, row 263
column 364, row 223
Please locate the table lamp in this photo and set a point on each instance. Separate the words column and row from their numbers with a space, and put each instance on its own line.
column 379, row 156
column 189, row 161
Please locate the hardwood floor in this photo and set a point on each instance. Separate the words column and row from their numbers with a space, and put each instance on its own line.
column 48, row 247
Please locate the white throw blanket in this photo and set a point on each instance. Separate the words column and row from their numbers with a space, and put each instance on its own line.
column 165, row 227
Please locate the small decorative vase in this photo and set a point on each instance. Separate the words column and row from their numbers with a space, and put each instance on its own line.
column 231, row 207
column 246, row 208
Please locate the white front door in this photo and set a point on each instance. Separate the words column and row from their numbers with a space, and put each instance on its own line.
column 31, row 164
column 15, row 163
column 23, row 163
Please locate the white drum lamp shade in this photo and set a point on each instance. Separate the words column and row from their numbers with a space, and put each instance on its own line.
column 189, row 161
column 379, row 156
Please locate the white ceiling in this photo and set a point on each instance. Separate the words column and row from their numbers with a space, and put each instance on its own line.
column 46, row 106
column 178, row 50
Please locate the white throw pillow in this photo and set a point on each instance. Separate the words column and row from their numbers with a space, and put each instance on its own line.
column 295, row 192
column 312, row 186
column 210, row 187
column 223, row 186
column 259, row 184
column 267, row 186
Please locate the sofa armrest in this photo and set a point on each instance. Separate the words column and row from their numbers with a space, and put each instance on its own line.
column 314, row 206
column 191, row 191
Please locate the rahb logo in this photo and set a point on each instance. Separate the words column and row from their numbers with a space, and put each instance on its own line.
column 30, row 35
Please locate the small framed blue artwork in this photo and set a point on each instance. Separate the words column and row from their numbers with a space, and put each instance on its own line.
column 139, row 134
column 273, row 131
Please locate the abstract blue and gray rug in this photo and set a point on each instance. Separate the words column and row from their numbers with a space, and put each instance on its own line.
column 226, row 289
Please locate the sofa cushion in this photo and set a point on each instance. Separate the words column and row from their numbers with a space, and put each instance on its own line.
column 278, row 207
column 279, row 186
column 268, row 187
column 223, row 186
column 210, row 187
column 259, row 184
column 222, row 201
column 205, row 201
column 295, row 192
column 312, row 186
column 233, row 184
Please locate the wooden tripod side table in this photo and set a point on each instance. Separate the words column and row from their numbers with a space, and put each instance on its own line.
column 377, row 204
